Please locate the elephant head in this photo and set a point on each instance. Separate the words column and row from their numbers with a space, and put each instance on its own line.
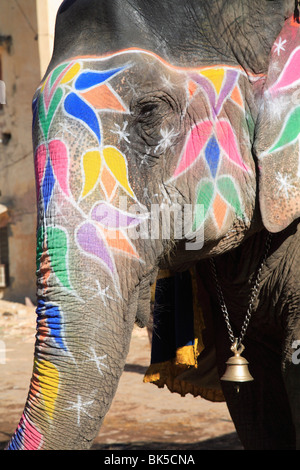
column 155, row 141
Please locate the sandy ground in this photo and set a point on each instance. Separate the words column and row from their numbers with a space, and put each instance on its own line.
column 142, row 417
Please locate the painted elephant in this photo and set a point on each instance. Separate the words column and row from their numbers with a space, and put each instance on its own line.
column 166, row 134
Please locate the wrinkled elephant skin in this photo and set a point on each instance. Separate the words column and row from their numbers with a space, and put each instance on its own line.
column 146, row 110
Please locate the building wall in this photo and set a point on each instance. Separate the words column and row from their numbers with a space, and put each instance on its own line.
column 31, row 27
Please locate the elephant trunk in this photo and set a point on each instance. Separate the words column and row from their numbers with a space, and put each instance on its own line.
column 80, row 353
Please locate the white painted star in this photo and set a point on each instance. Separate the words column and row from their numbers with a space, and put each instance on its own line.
column 132, row 88
column 101, row 293
column 285, row 184
column 145, row 158
column 122, row 134
column 167, row 82
column 279, row 46
column 80, row 407
column 167, row 139
column 98, row 360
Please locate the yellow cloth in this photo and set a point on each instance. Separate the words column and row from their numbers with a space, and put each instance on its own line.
column 187, row 372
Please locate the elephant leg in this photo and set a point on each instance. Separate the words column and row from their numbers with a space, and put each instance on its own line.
column 260, row 409
column 291, row 374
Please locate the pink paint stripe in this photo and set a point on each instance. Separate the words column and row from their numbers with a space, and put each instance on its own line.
column 290, row 75
column 195, row 143
column 60, row 163
column 48, row 93
column 228, row 142
column 39, row 163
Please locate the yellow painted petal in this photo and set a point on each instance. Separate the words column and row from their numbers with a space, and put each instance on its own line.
column 71, row 73
column 215, row 76
column 49, row 381
column 117, row 164
column 91, row 163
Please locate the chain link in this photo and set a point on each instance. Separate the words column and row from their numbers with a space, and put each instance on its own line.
column 253, row 295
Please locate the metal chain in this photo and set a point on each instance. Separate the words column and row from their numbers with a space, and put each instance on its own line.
column 253, row 296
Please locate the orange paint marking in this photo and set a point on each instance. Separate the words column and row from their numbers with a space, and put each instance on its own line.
column 116, row 239
column 220, row 209
column 108, row 182
column 192, row 86
column 101, row 97
column 236, row 97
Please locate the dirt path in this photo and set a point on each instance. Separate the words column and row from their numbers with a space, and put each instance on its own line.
column 141, row 417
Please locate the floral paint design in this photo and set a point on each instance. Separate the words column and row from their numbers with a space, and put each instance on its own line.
column 81, row 92
column 78, row 93
column 26, row 437
column 279, row 142
column 214, row 139
column 81, row 95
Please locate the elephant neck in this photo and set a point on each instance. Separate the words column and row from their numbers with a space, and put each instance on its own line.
column 236, row 273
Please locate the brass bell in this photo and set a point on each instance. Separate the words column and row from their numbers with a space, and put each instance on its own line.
column 237, row 366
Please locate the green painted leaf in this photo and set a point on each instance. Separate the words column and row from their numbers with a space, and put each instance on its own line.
column 205, row 193
column 57, row 243
column 290, row 130
column 39, row 246
column 57, row 72
column 229, row 192
column 45, row 118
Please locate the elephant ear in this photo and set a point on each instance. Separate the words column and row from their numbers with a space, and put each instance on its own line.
column 277, row 139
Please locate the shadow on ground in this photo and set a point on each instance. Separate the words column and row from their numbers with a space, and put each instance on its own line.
column 227, row 442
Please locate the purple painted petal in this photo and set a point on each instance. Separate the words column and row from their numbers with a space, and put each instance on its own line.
column 207, row 87
column 88, row 239
column 228, row 86
column 111, row 217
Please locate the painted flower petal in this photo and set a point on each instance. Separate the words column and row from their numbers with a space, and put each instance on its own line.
column 48, row 184
column 58, row 153
column 204, row 198
column 101, row 97
column 91, row 165
column 220, row 208
column 79, row 109
column 108, row 183
column 91, row 242
column 40, row 245
column 57, row 73
column 229, row 83
column 71, row 73
column 48, row 377
column 206, row 85
column 195, row 142
column 290, row 131
column 229, row 192
column 290, row 74
column 39, row 164
column 111, row 217
column 228, row 142
column 117, row 241
column 46, row 114
column 53, row 316
column 90, row 78
column 26, row 435
column 57, row 244
column 117, row 164
column 212, row 155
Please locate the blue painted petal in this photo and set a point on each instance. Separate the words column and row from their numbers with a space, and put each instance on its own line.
column 79, row 109
column 48, row 184
column 212, row 155
column 90, row 78
column 53, row 317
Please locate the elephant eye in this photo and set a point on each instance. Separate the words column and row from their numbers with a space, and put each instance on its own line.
column 147, row 110
column 151, row 114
